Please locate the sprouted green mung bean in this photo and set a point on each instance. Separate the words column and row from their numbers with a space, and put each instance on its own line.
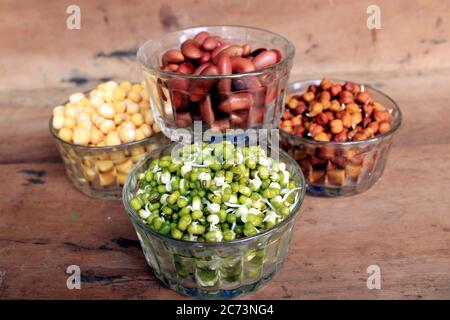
column 214, row 192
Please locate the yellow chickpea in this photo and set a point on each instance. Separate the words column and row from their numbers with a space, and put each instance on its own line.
column 134, row 96
column 70, row 110
column 110, row 85
column 120, row 106
column 137, row 119
column 69, row 122
column 144, row 104
column 90, row 111
column 125, row 85
column 80, row 108
column 132, row 107
column 98, row 121
column 146, row 130
column 127, row 132
column 119, row 94
column 58, row 111
column 101, row 87
column 113, row 139
column 96, row 136
column 85, row 123
column 119, row 119
column 139, row 135
column 156, row 128
column 109, row 96
column 107, row 111
column 136, row 87
column 81, row 136
column 97, row 101
column 148, row 117
column 84, row 102
column 58, row 122
column 83, row 116
column 65, row 134
column 107, row 126
column 144, row 94
column 76, row 97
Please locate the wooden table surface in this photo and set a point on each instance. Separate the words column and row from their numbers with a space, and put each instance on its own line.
column 402, row 224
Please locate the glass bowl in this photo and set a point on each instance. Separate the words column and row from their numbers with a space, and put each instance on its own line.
column 101, row 172
column 341, row 168
column 177, row 100
column 214, row 270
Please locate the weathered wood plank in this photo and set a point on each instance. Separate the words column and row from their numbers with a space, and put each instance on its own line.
column 330, row 36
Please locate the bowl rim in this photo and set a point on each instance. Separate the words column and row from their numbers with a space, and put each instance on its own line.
column 284, row 60
column 393, row 130
column 95, row 148
column 133, row 214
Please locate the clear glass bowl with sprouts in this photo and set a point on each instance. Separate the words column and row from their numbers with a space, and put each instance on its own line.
column 214, row 270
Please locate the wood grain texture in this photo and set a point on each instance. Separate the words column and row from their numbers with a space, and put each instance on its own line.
column 330, row 36
column 401, row 224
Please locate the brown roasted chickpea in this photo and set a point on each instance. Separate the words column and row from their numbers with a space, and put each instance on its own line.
column 333, row 111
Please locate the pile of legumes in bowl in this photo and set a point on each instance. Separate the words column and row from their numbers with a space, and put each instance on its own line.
column 340, row 133
column 214, row 220
column 101, row 134
column 225, row 76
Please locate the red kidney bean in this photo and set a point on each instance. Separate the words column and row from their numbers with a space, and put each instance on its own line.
column 179, row 100
column 206, row 57
column 224, row 86
column 206, row 110
column 257, row 52
column 233, row 50
column 202, row 67
column 271, row 93
column 201, row 37
column 186, row 68
column 242, row 65
column 265, row 59
column 221, row 125
column 252, row 82
column 171, row 67
column 199, row 87
column 180, row 84
column 191, row 49
column 259, row 97
column 211, row 70
column 237, row 101
column 278, row 53
column 183, row 119
column 178, row 87
column 246, row 50
column 224, row 64
column 239, row 118
column 215, row 53
column 256, row 115
column 238, row 85
column 212, row 42
column 172, row 56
